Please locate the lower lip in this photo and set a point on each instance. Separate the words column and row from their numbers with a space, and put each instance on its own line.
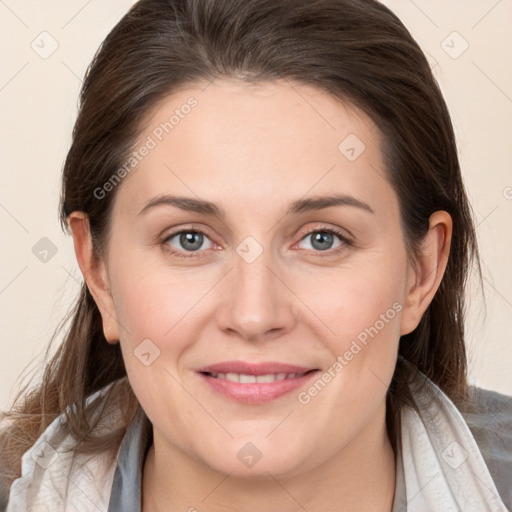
column 257, row 392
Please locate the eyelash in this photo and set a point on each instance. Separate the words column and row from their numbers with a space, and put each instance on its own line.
column 346, row 242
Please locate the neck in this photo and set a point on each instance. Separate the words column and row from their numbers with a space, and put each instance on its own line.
column 359, row 478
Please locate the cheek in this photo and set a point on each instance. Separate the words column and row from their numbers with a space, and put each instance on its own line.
column 147, row 307
column 362, row 302
column 150, row 297
column 151, row 309
column 161, row 312
column 360, row 309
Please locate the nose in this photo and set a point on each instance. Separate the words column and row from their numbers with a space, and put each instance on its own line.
column 259, row 304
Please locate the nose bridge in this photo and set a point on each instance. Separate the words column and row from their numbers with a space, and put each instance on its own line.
column 254, row 279
column 258, row 301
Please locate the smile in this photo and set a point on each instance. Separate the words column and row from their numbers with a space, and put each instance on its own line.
column 245, row 378
column 249, row 383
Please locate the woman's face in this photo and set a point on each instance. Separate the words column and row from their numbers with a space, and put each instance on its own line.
column 257, row 234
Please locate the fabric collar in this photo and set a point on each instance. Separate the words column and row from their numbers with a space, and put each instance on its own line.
column 439, row 465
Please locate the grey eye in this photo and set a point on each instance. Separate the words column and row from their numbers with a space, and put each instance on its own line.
column 321, row 240
column 187, row 240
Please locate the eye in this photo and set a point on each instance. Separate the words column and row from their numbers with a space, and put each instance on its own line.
column 326, row 240
column 188, row 240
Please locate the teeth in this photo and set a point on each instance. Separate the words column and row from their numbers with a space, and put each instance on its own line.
column 265, row 378
column 250, row 379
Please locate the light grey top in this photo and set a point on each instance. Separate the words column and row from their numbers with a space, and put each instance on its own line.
column 445, row 462
column 490, row 423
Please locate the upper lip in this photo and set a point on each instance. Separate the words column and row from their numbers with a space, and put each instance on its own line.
column 247, row 368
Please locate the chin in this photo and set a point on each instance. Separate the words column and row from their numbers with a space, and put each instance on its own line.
column 247, row 461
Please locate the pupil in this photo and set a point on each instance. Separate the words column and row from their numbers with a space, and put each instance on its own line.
column 191, row 240
column 322, row 238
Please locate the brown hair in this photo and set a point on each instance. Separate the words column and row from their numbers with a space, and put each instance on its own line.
column 355, row 50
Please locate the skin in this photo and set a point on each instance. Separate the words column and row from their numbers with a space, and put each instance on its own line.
column 253, row 150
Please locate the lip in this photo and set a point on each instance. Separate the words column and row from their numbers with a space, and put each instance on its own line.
column 257, row 392
column 254, row 368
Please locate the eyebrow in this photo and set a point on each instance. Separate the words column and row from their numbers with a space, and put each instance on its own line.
column 299, row 206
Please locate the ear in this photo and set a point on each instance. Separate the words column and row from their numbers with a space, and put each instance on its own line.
column 424, row 278
column 95, row 273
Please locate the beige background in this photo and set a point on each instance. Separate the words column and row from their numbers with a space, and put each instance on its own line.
column 38, row 98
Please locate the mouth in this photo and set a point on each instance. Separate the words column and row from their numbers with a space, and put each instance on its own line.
column 245, row 378
column 250, row 383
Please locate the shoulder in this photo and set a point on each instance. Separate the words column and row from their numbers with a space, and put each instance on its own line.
column 482, row 427
column 488, row 415
column 53, row 471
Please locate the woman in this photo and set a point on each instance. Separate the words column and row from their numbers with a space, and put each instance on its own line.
column 267, row 208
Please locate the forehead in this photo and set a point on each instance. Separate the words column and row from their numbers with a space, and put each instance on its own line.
column 229, row 141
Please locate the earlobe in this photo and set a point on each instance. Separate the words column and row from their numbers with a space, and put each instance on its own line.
column 424, row 279
column 95, row 273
